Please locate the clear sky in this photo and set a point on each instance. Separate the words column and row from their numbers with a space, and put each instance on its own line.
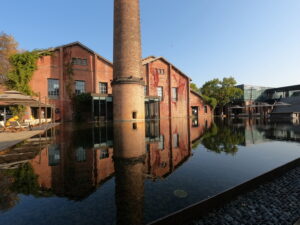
column 256, row 41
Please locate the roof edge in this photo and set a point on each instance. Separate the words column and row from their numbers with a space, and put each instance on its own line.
column 164, row 59
column 83, row 46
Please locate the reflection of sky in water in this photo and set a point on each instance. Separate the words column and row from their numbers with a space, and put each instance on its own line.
column 78, row 169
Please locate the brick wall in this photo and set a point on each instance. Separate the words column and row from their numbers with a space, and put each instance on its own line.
column 196, row 100
column 54, row 67
column 168, row 79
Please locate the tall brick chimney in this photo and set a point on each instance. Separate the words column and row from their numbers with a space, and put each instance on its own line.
column 128, row 84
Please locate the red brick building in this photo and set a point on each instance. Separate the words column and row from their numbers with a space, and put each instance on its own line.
column 169, row 84
column 74, row 69
column 198, row 107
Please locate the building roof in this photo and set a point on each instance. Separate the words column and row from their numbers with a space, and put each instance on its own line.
column 286, row 88
column 151, row 59
column 83, row 46
column 254, row 87
column 197, row 94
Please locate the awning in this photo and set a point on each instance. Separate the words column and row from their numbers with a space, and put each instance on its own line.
column 17, row 98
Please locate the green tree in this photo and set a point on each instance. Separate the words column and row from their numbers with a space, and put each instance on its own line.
column 208, row 100
column 224, row 91
column 82, row 106
column 194, row 87
column 23, row 66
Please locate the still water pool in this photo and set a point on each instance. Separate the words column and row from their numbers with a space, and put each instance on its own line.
column 135, row 173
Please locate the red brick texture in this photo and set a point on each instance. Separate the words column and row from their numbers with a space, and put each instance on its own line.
column 196, row 100
column 54, row 67
column 100, row 70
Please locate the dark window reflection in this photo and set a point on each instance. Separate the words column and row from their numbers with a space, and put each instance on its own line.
column 104, row 153
column 175, row 140
column 54, row 155
column 80, row 154
column 195, row 122
column 161, row 143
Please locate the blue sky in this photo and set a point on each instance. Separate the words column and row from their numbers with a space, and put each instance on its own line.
column 255, row 41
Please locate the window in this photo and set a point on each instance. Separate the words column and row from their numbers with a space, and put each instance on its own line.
column 195, row 110
column 134, row 115
column 205, row 109
column 134, row 126
column 175, row 140
column 53, row 155
column 160, row 71
column 104, row 153
column 163, row 164
column 103, row 88
column 174, row 94
column 161, row 143
column 78, row 61
column 195, row 122
column 80, row 154
column 79, row 87
column 160, row 92
column 53, row 88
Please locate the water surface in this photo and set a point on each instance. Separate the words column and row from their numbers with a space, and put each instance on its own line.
column 135, row 173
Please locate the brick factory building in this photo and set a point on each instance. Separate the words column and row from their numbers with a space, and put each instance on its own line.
column 74, row 69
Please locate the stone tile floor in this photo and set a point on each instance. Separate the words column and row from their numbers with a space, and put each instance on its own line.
column 273, row 203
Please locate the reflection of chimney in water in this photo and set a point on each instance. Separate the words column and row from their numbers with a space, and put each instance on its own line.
column 129, row 161
column 128, row 84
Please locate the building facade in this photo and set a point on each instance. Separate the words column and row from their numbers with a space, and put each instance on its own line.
column 74, row 69
column 279, row 103
column 71, row 69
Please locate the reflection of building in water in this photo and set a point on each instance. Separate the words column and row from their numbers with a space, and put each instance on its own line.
column 198, row 127
column 172, row 146
column 283, row 132
column 259, row 131
column 76, row 160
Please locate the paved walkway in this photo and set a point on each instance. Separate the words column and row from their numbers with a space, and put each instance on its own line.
column 9, row 139
column 273, row 203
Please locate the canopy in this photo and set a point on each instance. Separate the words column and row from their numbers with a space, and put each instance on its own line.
column 17, row 98
column 237, row 107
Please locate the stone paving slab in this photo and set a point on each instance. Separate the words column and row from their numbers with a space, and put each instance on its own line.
column 274, row 203
column 9, row 139
column 298, row 222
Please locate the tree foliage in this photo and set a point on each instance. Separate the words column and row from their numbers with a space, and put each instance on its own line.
column 208, row 100
column 224, row 91
column 195, row 88
column 23, row 66
column 222, row 138
column 8, row 47
column 8, row 198
column 82, row 106
column 25, row 180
